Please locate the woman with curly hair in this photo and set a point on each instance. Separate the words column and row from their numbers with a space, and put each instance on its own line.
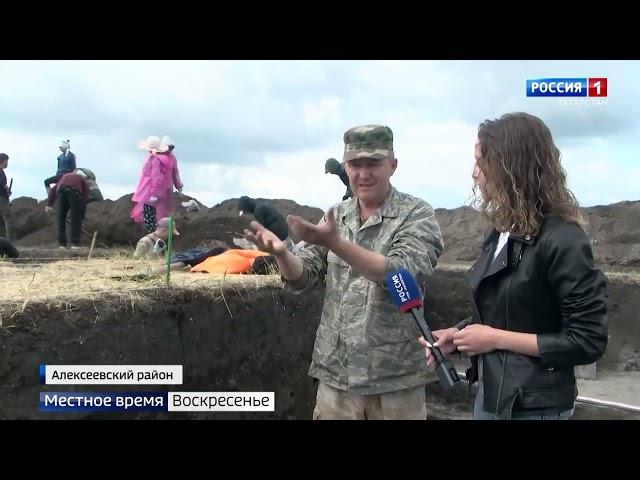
column 539, row 305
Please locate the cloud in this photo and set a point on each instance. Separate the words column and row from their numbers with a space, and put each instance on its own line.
column 275, row 122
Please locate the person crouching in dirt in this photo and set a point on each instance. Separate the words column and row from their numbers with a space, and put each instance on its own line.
column 71, row 192
column 154, row 243
column 334, row 167
column 266, row 215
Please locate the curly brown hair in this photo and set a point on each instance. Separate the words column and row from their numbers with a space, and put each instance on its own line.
column 522, row 164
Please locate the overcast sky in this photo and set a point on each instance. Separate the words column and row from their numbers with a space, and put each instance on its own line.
column 265, row 128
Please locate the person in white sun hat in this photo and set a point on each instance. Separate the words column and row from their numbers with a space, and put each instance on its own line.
column 153, row 193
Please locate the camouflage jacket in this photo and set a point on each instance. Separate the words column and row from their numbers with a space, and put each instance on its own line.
column 363, row 343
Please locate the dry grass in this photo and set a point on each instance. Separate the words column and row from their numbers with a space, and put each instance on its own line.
column 123, row 280
column 116, row 279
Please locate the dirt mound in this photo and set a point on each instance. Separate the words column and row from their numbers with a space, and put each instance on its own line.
column 462, row 231
column 29, row 216
column 615, row 229
column 207, row 227
column 229, row 208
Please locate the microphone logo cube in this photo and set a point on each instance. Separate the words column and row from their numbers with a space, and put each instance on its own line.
column 404, row 290
column 400, row 287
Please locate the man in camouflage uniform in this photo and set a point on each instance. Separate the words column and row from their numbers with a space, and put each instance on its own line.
column 366, row 356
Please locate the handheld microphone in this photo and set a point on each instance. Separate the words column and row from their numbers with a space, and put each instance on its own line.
column 406, row 295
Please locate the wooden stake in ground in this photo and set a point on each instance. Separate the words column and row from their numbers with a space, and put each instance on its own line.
column 84, row 232
column 169, row 249
column 93, row 243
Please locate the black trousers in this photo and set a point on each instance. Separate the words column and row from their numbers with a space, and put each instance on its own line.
column 70, row 200
column 50, row 180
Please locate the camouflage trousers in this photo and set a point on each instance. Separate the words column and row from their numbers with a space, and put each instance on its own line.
column 336, row 404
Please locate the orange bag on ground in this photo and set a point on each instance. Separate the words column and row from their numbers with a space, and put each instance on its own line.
column 234, row 260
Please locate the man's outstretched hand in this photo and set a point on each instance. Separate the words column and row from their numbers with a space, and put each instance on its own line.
column 265, row 239
column 325, row 234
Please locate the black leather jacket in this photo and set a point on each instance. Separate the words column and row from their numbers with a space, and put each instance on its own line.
column 545, row 285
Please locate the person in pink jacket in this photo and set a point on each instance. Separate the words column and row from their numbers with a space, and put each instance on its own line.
column 153, row 194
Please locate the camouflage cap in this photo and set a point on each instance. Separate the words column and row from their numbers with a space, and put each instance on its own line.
column 368, row 141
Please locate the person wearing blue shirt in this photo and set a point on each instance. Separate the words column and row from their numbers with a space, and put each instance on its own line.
column 66, row 164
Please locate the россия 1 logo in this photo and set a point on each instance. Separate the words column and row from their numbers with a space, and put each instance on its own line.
column 567, row 87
